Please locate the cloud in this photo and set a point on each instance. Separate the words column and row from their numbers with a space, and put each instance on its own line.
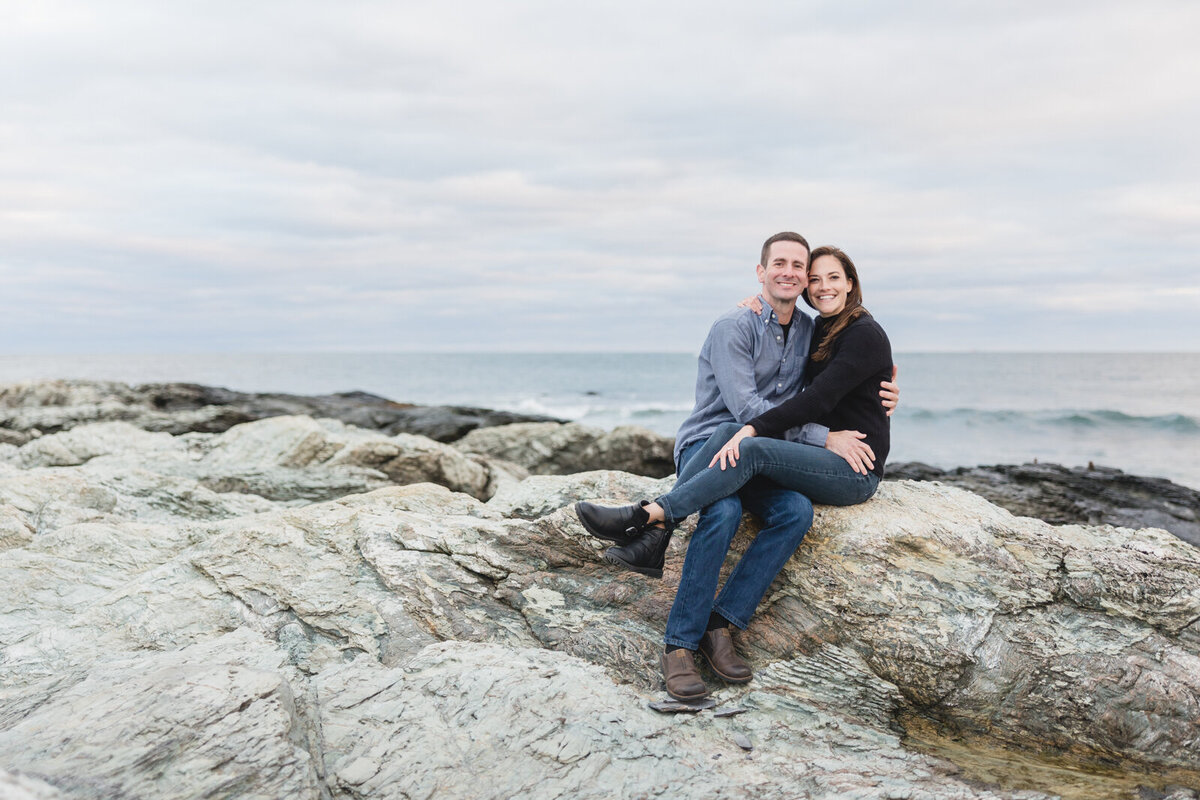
column 554, row 176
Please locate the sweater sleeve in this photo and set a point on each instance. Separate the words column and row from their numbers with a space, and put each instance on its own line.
column 856, row 359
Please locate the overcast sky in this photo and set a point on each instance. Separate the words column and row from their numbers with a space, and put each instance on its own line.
column 536, row 175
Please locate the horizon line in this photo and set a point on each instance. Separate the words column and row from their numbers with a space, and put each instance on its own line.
column 531, row 352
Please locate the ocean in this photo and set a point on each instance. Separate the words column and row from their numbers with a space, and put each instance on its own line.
column 1137, row 412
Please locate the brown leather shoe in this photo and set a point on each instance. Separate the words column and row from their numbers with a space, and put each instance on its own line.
column 717, row 646
column 683, row 679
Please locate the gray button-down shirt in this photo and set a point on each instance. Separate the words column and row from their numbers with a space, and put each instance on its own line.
column 745, row 369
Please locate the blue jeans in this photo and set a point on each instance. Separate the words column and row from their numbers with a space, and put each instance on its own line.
column 821, row 474
column 786, row 517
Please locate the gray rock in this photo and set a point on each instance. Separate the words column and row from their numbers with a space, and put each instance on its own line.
column 14, row 786
column 80, row 445
column 730, row 712
column 1047, row 628
column 159, row 638
column 217, row 718
column 680, row 707
column 540, row 495
column 280, row 458
column 539, row 724
column 15, row 529
column 14, row 438
column 550, row 448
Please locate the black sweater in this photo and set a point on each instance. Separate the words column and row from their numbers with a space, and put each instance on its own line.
column 841, row 392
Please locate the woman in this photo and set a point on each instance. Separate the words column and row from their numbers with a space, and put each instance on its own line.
column 849, row 357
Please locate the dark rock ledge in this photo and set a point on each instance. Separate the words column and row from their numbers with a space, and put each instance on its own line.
column 28, row 410
column 1073, row 495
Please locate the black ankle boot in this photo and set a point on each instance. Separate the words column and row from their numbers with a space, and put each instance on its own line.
column 645, row 554
column 620, row 524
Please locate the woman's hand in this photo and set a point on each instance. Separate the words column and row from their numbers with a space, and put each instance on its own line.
column 850, row 446
column 890, row 392
column 730, row 452
column 752, row 302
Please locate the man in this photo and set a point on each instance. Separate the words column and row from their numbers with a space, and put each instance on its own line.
column 750, row 362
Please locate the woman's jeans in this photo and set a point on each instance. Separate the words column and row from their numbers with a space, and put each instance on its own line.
column 820, row 474
column 786, row 517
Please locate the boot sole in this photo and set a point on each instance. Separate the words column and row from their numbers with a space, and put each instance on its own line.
column 722, row 675
column 686, row 698
column 651, row 571
column 608, row 537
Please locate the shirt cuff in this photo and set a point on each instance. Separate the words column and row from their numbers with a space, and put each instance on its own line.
column 814, row 433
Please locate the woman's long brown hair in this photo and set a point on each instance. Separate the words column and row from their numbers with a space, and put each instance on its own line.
column 854, row 307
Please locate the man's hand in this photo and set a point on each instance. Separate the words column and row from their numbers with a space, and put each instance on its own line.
column 752, row 302
column 849, row 445
column 730, row 453
column 890, row 392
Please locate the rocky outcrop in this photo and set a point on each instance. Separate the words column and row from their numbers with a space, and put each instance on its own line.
column 176, row 622
column 279, row 458
column 532, row 444
column 551, row 448
column 509, row 446
column 1064, row 495
column 28, row 410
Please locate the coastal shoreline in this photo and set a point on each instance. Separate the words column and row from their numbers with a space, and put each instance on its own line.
column 306, row 607
column 1051, row 492
column 1135, row 412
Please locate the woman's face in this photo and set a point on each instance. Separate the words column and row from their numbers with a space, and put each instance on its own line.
column 828, row 285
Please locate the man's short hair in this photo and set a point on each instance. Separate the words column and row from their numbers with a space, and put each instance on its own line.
column 786, row 236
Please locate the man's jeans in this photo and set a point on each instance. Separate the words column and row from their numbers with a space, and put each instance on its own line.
column 786, row 517
column 822, row 475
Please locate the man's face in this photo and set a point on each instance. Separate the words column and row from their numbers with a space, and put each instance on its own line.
column 785, row 274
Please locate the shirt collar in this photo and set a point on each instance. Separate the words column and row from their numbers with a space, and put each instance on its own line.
column 767, row 315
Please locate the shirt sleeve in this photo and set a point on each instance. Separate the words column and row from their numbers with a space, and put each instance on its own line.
column 853, row 363
column 813, row 433
column 732, row 360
